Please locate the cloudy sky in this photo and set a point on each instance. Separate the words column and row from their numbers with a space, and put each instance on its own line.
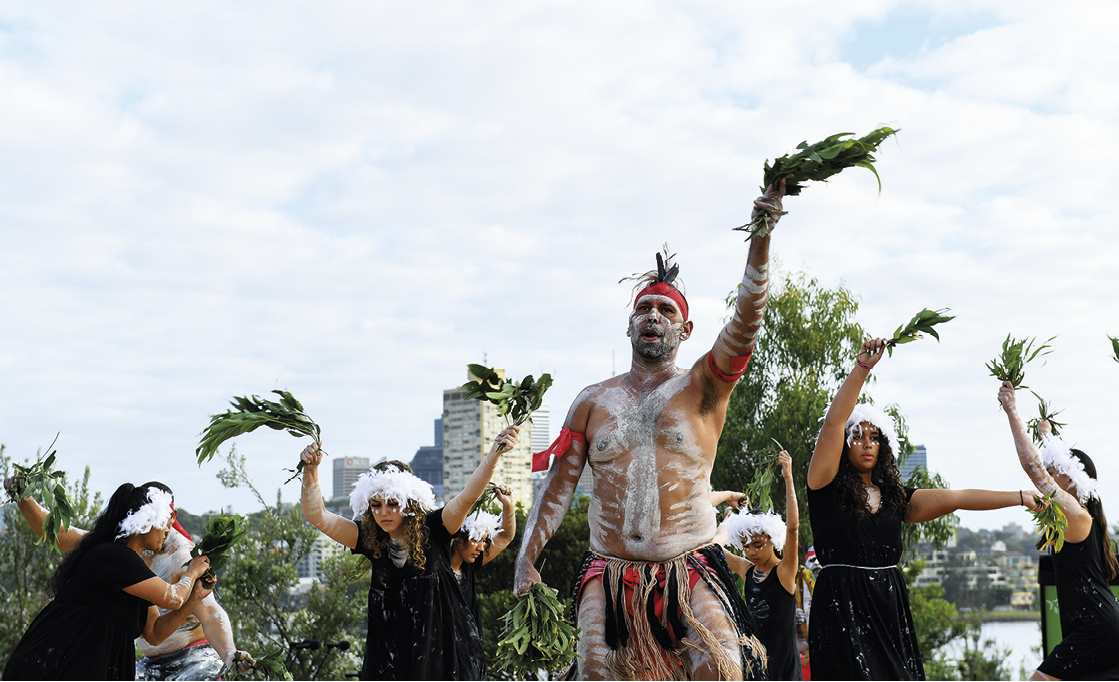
column 352, row 200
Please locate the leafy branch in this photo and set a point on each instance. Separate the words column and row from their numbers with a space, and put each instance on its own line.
column 1115, row 347
column 222, row 532
column 1045, row 413
column 1010, row 365
column 1051, row 521
column 817, row 162
column 765, row 473
column 922, row 323
column 271, row 667
column 251, row 414
column 515, row 401
column 41, row 478
column 536, row 635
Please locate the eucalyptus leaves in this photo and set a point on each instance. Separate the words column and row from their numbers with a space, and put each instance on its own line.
column 818, row 162
column 251, row 414
column 765, row 473
column 222, row 532
column 536, row 635
column 1010, row 365
column 1051, row 522
column 39, row 477
column 1045, row 413
column 922, row 323
column 270, row 666
column 516, row 401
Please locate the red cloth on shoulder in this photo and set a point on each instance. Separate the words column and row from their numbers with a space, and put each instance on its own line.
column 559, row 446
column 737, row 366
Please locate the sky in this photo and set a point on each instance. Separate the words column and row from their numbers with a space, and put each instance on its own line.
column 353, row 200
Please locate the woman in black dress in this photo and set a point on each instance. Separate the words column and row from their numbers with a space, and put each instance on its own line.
column 770, row 594
column 482, row 537
column 861, row 624
column 1086, row 563
column 105, row 596
column 420, row 627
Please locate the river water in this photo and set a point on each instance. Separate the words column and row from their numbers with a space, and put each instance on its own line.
column 1021, row 638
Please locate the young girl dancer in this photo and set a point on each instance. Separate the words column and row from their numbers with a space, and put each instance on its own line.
column 482, row 537
column 420, row 627
column 861, row 624
column 105, row 596
column 770, row 593
column 1089, row 610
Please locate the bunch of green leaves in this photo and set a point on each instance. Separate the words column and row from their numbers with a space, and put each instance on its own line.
column 765, row 473
column 222, row 532
column 516, row 401
column 1051, row 522
column 922, row 323
column 1044, row 413
column 817, row 162
column 536, row 635
column 251, row 414
column 1010, row 365
column 1115, row 347
column 39, row 477
column 486, row 501
column 270, row 666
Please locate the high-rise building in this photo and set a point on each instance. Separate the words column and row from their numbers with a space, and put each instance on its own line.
column 428, row 461
column 541, row 429
column 346, row 472
column 469, row 430
column 919, row 458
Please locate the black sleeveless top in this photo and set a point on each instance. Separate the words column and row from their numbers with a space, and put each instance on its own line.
column 774, row 611
column 1089, row 615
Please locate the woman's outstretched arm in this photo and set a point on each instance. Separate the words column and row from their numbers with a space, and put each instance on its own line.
column 1079, row 520
column 932, row 503
column 337, row 528
column 829, row 444
column 456, row 510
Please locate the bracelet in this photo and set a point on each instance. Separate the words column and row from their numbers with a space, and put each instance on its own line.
column 865, row 366
column 1022, row 501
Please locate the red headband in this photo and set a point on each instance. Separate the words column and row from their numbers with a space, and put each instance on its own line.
column 179, row 527
column 667, row 290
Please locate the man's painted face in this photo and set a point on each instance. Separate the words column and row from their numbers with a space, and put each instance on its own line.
column 656, row 327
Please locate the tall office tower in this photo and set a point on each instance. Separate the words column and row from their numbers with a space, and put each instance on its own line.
column 541, row 429
column 346, row 472
column 919, row 458
column 469, row 429
column 428, row 461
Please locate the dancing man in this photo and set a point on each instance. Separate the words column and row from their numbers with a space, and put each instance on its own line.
column 650, row 437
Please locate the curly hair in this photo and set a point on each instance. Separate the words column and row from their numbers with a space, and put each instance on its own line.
column 414, row 525
column 885, row 475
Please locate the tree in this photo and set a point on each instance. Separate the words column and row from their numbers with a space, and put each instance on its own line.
column 25, row 568
column 258, row 588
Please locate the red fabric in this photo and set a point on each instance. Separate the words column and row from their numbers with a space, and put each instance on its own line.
column 662, row 289
column 178, row 526
column 559, row 446
column 737, row 366
column 631, row 578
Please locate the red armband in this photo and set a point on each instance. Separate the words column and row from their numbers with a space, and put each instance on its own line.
column 559, row 446
column 737, row 367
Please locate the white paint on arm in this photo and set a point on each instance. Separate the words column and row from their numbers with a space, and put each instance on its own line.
column 1028, row 455
column 338, row 528
column 215, row 623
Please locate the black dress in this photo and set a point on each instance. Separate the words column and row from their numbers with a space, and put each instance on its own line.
column 466, row 578
column 861, row 625
column 87, row 631
column 420, row 627
column 774, row 611
column 1089, row 615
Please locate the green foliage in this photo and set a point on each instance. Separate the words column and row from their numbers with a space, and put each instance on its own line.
column 222, row 532
column 536, row 635
column 765, row 473
column 1011, row 363
column 516, row 401
column 1044, row 413
column 270, row 666
column 982, row 659
column 51, row 491
column 922, row 323
column 936, row 532
column 1051, row 522
column 803, row 354
column 259, row 589
column 1114, row 347
column 251, row 414
column 26, row 567
column 818, row 162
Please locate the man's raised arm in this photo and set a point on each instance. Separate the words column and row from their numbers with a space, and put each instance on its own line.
column 736, row 340
column 552, row 504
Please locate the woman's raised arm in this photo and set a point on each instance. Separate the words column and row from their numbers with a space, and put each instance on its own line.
column 337, row 528
column 456, row 510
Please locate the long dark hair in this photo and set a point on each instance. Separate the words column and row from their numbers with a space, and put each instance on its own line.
column 885, row 475
column 127, row 499
column 1095, row 508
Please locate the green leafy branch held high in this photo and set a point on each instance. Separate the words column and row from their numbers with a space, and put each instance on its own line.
column 1010, row 365
column 1044, row 413
column 765, row 473
column 922, row 323
column 253, row 413
column 818, row 162
column 516, row 401
column 48, row 483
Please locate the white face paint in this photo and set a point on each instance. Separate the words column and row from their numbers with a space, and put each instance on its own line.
column 652, row 331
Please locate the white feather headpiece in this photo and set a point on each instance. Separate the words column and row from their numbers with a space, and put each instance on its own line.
column 481, row 524
column 744, row 525
column 1054, row 453
column 154, row 514
column 865, row 412
column 395, row 485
